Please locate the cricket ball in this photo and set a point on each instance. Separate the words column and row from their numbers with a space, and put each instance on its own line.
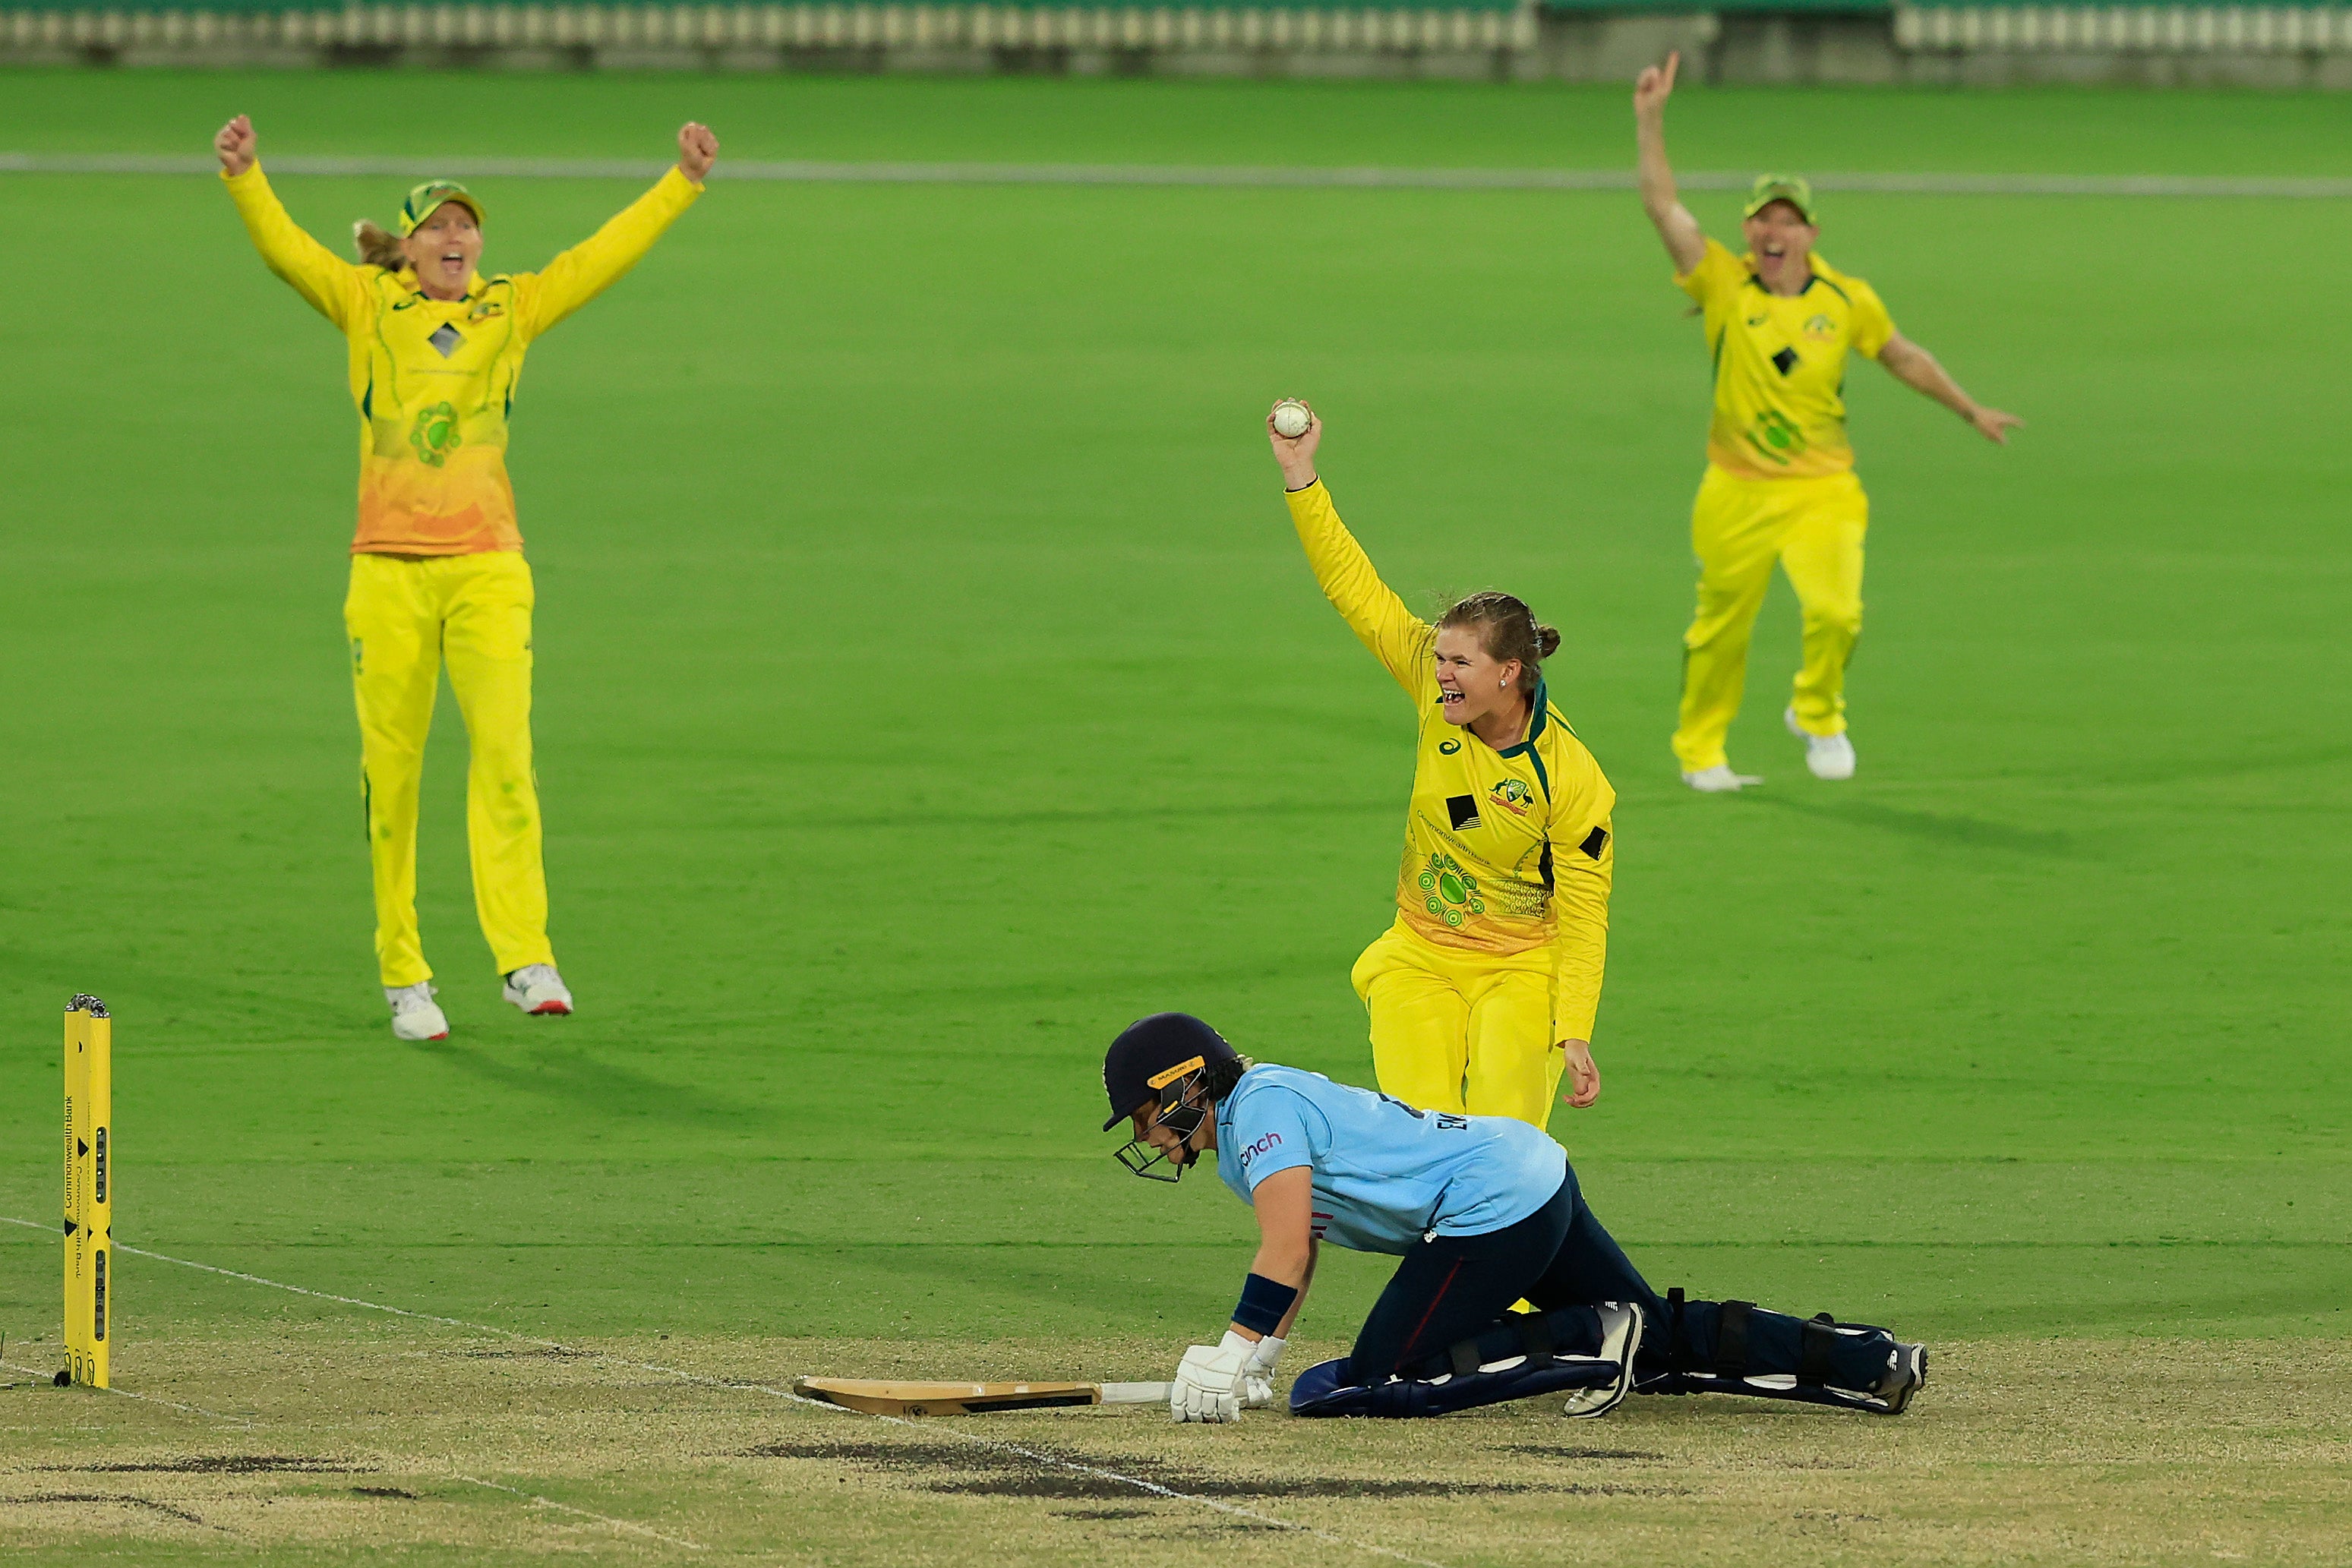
column 1291, row 419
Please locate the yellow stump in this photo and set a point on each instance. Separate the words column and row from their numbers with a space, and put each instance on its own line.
column 89, row 1189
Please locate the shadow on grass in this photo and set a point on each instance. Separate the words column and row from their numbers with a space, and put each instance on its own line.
column 1954, row 831
column 582, row 1080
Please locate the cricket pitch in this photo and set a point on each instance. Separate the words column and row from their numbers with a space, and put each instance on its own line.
column 442, row 1446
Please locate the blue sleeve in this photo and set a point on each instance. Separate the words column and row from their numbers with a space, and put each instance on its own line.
column 1270, row 1134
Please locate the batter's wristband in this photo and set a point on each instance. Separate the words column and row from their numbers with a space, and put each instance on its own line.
column 1263, row 1305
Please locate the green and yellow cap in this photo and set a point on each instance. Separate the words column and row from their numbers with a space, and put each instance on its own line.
column 1794, row 189
column 433, row 194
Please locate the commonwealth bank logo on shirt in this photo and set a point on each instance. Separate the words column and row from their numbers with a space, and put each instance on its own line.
column 1448, row 891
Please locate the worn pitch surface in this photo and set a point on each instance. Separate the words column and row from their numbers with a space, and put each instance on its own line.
column 927, row 684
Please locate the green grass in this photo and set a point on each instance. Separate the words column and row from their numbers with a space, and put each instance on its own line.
column 928, row 685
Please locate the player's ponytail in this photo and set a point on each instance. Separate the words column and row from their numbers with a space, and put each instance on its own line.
column 1507, row 629
column 378, row 248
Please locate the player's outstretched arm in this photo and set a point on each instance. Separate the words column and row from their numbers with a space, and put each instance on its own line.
column 329, row 282
column 596, row 262
column 1685, row 241
column 1397, row 637
column 1918, row 369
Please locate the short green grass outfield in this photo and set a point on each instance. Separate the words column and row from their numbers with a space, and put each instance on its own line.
column 927, row 684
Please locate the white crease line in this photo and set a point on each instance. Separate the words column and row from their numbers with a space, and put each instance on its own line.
column 127, row 1393
column 1245, row 176
column 683, row 1375
column 600, row 1518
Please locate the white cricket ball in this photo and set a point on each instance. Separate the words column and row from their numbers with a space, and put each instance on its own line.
column 1291, row 419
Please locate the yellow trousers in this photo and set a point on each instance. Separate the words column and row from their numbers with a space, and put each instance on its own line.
column 1813, row 528
column 408, row 617
column 1461, row 1031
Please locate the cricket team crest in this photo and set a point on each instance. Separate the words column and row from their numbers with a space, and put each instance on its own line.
column 1819, row 328
column 1450, row 893
column 1513, row 796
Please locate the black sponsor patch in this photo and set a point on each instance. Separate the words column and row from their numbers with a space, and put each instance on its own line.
column 1786, row 360
column 1594, row 843
column 446, row 339
column 1464, row 809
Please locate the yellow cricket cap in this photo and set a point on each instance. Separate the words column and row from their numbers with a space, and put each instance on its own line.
column 1794, row 189
column 433, row 194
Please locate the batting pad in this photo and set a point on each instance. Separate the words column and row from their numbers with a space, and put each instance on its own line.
column 1519, row 1358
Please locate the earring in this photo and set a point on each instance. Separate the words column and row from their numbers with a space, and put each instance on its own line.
column 1500, row 685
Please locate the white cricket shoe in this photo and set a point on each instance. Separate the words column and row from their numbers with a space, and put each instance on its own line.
column 538, row 989
column 1719, row 779
column 414, row 1014
column 1829, row 756
column 1621, row 1342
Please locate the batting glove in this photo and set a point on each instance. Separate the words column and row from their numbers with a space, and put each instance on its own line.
column 1257, row 1373
column 1208, row 1385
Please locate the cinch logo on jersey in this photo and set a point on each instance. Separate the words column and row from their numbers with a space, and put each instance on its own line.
column 1252, row 1151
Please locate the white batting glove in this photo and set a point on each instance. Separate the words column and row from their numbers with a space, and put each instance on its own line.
column 1257, row 1373
column 1207, row 1385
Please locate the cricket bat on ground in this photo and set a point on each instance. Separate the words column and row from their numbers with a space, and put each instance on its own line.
column 881, row 1397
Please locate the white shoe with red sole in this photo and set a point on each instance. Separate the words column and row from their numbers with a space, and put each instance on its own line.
column 539, row 990
column 414, row 1014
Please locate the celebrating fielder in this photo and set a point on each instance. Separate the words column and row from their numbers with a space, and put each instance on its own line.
column 1482, row 1211
column 437, row 572
column 1780, row 480
column 1485, row 987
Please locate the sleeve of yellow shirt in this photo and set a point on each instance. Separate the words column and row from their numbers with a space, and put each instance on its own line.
column 1872, row 325
column 1717, row 270
column 330, row 283
column 1397, row 637
column 544, row 298
column 1580, row 933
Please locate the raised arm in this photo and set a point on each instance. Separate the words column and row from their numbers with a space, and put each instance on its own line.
column 1685, row 242
column 596, row 262
column 330, row 283
column 1918, row 369
column 1397, row 637
column 1582, row 875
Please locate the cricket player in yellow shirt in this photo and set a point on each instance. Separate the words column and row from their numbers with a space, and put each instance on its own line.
column 1485, row 988
column 438, row 578
column 1780, row 481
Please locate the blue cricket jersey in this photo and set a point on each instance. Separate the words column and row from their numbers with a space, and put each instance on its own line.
column 1386, row 1175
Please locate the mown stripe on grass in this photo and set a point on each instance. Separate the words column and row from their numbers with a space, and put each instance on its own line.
column 1288, row 177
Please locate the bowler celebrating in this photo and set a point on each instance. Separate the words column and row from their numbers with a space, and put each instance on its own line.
column 438, row 577
column 1485, row 987
column 1481, row 1211
column 1780, row 481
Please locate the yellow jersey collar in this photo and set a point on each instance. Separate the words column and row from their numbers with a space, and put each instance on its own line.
column 406, row 279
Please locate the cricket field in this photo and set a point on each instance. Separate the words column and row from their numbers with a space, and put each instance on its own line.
column 928, row 684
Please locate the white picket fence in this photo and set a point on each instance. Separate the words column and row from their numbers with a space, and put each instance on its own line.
column 2127, row 29
column 827, row 26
